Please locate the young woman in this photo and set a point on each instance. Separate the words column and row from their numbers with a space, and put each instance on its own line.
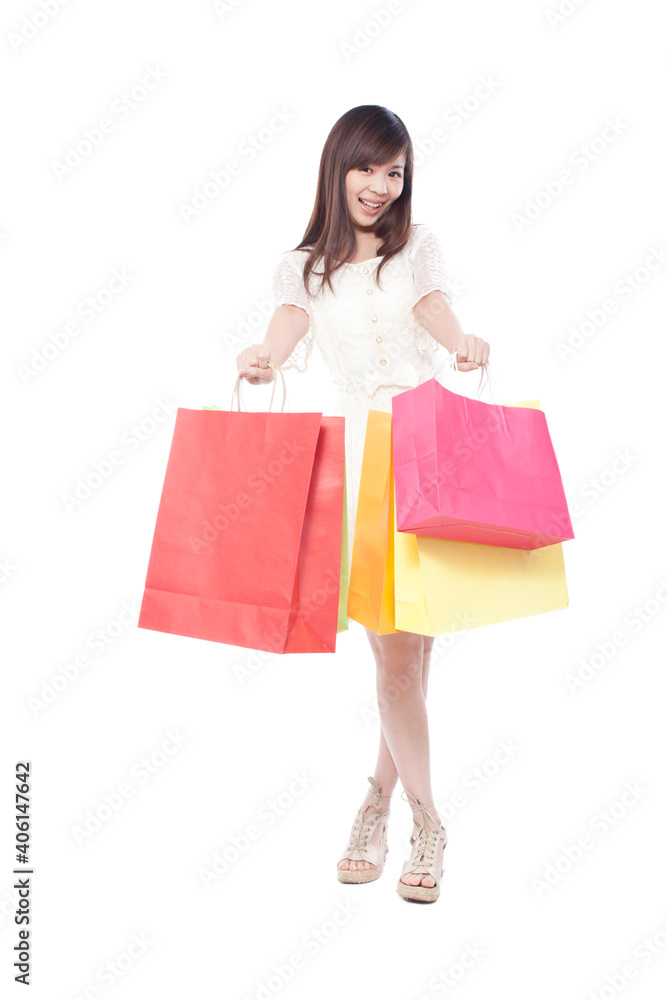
column 378, row 307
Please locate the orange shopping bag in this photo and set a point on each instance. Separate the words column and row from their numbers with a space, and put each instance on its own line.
column 371, row 590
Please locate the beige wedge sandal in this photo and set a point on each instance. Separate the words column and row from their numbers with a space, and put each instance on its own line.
column 361, row 846
column 428, row 844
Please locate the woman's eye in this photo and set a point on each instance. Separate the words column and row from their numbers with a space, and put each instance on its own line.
column 392, row 173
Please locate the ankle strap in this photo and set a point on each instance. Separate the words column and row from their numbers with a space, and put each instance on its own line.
column 423, row 808
column 375, row 800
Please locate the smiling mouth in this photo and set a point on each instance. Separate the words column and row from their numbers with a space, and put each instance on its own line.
column 372, row 205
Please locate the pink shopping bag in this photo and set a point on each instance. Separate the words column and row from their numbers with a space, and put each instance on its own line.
column 473, row 471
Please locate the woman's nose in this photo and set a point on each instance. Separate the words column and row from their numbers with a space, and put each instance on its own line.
column 378, row 187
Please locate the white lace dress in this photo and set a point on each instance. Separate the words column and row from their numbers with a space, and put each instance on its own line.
column 368, row 336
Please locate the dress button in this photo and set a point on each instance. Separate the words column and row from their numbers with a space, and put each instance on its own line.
column 365, row 270
column 369, row 291
column 383, row 362
column 378, row 339
column 374, row 319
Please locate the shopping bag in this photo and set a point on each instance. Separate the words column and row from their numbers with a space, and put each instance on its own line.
column 248, row 537
column 344, row 580
column 475, row 471
column 440, row 585
column 371, row 588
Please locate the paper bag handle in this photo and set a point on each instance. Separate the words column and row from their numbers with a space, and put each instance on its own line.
column 485, row 375
column 236, row 391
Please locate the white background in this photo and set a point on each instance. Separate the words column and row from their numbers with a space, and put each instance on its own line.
column 170, row 335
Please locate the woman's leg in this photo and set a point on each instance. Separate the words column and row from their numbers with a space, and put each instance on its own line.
column 386, row 774
column 402, row 702
column 402, row 664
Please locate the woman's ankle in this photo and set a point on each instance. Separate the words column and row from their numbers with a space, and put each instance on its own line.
column 371, row 803
column 433, row 822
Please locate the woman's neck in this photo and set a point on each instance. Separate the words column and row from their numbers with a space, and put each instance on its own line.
column 367, row 248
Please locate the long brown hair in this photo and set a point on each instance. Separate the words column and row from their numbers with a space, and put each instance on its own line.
column 366, row 134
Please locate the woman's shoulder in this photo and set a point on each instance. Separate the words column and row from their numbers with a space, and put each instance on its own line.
column 294, row 258
column 290, row 264
column 420, row 232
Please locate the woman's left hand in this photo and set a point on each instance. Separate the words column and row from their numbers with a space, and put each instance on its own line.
column 471, row 352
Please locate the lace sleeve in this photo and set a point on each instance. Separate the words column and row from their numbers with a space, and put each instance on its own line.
column 430, row 272
column 288, row 289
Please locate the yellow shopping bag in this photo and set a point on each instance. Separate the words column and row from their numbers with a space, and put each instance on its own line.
column 438, row 585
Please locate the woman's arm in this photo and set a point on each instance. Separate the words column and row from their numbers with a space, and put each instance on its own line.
column 434, row 313
column 286, row 328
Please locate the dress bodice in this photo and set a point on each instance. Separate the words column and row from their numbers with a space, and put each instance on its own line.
column 368, row 335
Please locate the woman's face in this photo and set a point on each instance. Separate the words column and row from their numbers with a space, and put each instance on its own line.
column 371, row 189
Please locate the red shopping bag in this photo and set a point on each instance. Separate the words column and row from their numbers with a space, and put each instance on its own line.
column 248, row 537
column 473, row 471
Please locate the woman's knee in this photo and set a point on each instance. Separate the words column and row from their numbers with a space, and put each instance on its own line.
column 400, row 656
column 401, row 659
column 394, row 683
column 404, row 644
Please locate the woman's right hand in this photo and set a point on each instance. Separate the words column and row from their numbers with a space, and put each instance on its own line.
column 253, row 364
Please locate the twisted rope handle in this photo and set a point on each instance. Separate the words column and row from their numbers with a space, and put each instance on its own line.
column 236, row 391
